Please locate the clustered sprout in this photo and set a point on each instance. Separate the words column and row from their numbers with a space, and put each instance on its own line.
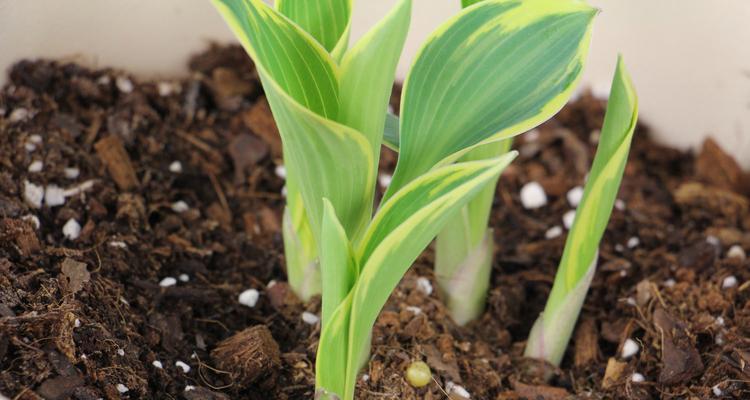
column 495, row 70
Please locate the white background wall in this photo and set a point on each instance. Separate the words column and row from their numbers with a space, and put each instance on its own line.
column 690, row 59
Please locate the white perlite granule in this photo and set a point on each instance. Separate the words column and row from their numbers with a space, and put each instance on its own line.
column 310, row 318
column 124, row 84
column 737, row 252
column 180, row 206
column 620, row 205
column 553, row 232
column 574, row 196
column 168, row 281
column 280, row 171
column 72, row 172
column 181, row 365
column 71, row 229
column 630, row 348
column 384, row 180
column 568, row 218
column 175, row 167
column 533, row 196
column 36, row 166
column 54, row 196
column 452, row 388
column 33, row 194
column 249, row 297
column 729, row 282
column 424, row 285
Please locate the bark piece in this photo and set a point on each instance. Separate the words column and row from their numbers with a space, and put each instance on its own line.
column 59, row 387
column 260, row 121
column 586, row 342
column 614, row 373
column 681, row 361
column 75, row 274
column 21, row 233
column 112, row 153
column 540, row 391
column 248, row 355
column 718, row 168
column 246, row 150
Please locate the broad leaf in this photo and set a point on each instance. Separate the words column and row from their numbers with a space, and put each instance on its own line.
column 467, row 3
column 495, row 70
column 328, row 159
column 328, row 21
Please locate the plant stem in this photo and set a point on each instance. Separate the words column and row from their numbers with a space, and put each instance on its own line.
column 464, row 249
column 300, row 248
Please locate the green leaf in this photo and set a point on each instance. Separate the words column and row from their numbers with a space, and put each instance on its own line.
column 497, row 69
column 604, row 180
column 327, row 159
column 390, row 132
column 400, row 231
column 552, row 331
column 367, row 74
column 299, row 65
column 328, row 21
column 467, row 3
column 339, row 269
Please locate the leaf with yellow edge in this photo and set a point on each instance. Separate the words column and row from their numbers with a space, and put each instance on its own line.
column 328, row 21
column 551, row 332
column 495, row 70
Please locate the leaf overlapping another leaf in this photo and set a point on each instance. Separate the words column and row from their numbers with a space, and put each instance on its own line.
column 400, row 231
column 497, row 69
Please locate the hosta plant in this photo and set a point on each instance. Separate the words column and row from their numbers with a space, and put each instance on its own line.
column 495, row 70
column 551, row 332
column 522, row 74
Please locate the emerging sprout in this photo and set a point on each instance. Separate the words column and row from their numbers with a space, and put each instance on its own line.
column 418, row 374
column 550, row 335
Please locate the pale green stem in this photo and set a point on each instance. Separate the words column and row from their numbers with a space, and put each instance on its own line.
column 552, row 330
column 300, row 248
column 464, row 249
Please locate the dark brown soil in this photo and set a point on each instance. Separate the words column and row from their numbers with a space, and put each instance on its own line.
column 87, row 318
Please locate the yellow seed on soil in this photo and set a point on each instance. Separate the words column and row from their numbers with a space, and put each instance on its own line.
column 418, row 374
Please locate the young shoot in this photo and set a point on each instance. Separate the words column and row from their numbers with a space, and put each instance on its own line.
column 330, row 103
column 551, row 332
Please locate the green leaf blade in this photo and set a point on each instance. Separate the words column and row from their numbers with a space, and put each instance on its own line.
column 328, row 21
column 552, row 331
column 338, row 268
column 368, row 72
column 497, row 69
column 288, row 55
column 400, row 231
column 330, row 161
